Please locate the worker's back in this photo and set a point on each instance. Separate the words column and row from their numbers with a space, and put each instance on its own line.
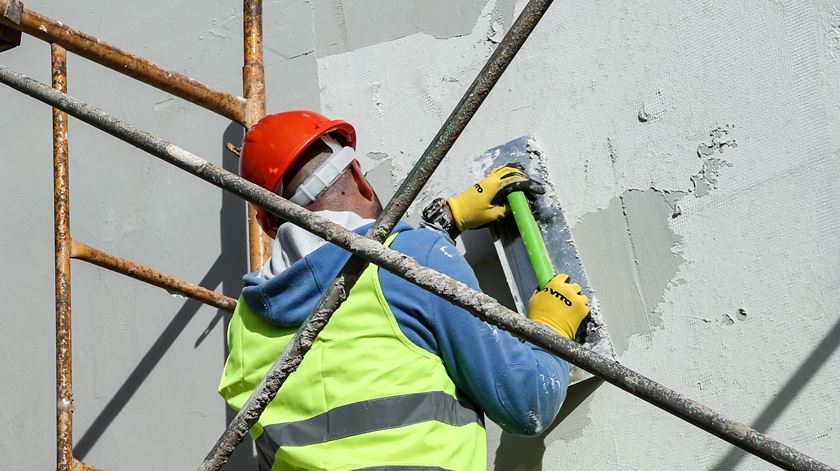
column 365, row 396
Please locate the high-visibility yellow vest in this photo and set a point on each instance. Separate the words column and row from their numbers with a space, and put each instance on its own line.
column 364, row 397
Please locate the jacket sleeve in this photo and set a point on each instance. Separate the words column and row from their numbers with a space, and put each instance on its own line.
column 516, row 384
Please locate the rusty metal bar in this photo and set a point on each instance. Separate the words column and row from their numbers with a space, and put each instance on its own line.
column 87, row 46
column 10, row 37
column 253, row 72
column 63, row 324
column 79, row 466
column 338, row 291
column 253, row 88
column 171, row 284
column 478, row 304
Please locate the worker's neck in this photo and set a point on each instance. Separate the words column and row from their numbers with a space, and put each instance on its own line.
column 293, row 243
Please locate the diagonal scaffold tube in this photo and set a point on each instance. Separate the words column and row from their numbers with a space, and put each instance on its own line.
column 478, row 304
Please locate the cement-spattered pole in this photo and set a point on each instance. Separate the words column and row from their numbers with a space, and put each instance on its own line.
column 63, row 320
column 338, row 291
column 479, row 304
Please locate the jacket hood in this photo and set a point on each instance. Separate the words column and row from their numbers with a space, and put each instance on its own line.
column 287, row 298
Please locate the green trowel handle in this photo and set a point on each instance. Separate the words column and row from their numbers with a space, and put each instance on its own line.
column 532, row 238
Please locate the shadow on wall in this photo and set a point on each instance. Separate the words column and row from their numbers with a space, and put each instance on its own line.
column 227, row 271
column 234, row 238
column 804, row 374
column 526, row 453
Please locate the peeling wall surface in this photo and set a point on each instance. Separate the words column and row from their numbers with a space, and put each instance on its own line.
column 695, row 147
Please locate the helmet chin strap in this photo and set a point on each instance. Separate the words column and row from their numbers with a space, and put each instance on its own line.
column 325, row 175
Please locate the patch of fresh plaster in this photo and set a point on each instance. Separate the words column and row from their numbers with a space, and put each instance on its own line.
column 533, row 147
column 706, row 179
column 672, row 199
column 346, row 25
column 708, row 176
column 630, row 255
column 496, row 33
column 718, row 141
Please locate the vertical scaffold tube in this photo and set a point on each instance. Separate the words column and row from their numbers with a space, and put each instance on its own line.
column 63, row 327
column 253, row 88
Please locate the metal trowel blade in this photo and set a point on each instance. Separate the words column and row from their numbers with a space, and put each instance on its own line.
column 558, row 240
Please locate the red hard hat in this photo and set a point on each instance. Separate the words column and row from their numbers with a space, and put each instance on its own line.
column 274, row 143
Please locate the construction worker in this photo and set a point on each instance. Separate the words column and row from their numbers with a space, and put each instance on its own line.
column 399, row 378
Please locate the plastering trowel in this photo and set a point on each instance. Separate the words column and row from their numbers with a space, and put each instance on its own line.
column 539, row 244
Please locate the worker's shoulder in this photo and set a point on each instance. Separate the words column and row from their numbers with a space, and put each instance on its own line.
column 419, row 237
column 419, row 243
column 431, row 248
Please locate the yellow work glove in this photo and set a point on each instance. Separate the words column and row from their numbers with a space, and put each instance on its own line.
column 561, row 306
column 485, row 202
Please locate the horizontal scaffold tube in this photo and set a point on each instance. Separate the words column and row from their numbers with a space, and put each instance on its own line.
column 87, row 46
column 479, row 304
column 89, row 254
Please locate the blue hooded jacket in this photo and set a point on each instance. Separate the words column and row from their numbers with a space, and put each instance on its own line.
column 516, row 384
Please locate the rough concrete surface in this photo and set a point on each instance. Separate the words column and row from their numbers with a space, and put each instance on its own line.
column 695, row 149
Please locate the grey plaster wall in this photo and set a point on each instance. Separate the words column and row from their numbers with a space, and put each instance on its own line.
column 694, row 145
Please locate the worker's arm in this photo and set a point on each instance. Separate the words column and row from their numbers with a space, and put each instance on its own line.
column 518, row 385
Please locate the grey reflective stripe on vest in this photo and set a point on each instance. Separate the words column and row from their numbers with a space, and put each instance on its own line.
column 402, row 468
column 370, row 416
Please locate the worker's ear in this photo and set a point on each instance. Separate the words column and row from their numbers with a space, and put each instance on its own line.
column 361, row 182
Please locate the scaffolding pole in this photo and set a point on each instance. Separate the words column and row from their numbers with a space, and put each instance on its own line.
column 139, row 272
column 478, row 304
column 253, row 88
column 63, row 324
column 89, row 47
